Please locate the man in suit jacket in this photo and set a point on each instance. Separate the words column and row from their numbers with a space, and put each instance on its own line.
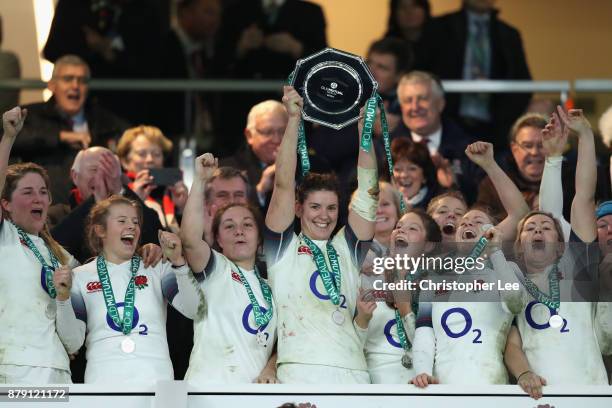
column 263, row 39
column 266, row 123
column 189, row 52
column 117, row 38
column 422, row 101
column 473, row 43
column 57, row 129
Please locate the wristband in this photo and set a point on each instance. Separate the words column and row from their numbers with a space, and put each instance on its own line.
column 522, row 374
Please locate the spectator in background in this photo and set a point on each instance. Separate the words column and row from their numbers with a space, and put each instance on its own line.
column 68, row 122
column 262, row 39
column 96, row 173
column 422, row 102
column 605, row 128
column 470, row 44
column 117, row 38
column 407, row 19
column 143, row 148
column 388, row 59
column 524, row 167
column 264, row 131
column 9, row 69
column 190, row 52
column 414, row 174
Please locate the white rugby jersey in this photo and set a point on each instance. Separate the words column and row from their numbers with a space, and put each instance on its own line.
column 225, row 349
column 383, row 349
column 27, row 312
column 307, row 333
column 470, row 335
column 154, row 286
column 551, row 352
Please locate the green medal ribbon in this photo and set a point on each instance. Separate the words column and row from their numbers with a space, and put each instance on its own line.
column 478, row 248
column 48, row 269
column 332, row 286
column 109, row 297
column 301, row 142
column 554, row 300
column 401, row 332
column 261, row 319
column 366, row 134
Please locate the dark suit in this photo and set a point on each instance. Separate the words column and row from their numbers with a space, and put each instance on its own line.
column 39, row 140
column 141, row 28
column 453, row 143
column 302, row 19
column 441, row 50
column 169, row 109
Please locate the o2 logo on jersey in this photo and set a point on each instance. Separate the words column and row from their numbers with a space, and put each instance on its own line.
column 247, row 325
column 466, row 329
column 389, row 335
column 144, row 330
column 316, row 276
column 546, row 325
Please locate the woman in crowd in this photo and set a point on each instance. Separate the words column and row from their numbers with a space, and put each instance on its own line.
column 414, row 173
column 388, row 328
column 447, row 209
column 235, row 330
column 32, row 352
column 141, row 149
column 463, row 342
column 407, row 19
column 549, row 328
column 387, row 214
column 315, row 276
column 115, row 304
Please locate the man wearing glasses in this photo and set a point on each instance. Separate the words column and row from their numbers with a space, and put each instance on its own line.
column 57, row 129
column 264, row 131
column 525, row 165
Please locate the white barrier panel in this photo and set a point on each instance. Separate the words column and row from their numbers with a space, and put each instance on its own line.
column 354, row 396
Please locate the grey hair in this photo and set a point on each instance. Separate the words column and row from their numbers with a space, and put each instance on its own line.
column 70, row 59
column 413, row 77
column 264, row 107
column 605, row 127
column 78, row 160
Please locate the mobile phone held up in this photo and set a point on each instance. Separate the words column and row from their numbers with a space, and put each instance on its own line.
column 166, row 176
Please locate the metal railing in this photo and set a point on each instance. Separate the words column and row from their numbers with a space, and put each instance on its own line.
column 244, row 85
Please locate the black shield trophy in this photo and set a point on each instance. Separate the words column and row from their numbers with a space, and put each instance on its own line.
column 334, row 85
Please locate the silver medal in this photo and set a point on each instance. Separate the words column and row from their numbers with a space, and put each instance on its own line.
column 50, row 311
column 338, row 317
column 128, row 345
column 407, row 361
column 555, row 321
column 261, row 339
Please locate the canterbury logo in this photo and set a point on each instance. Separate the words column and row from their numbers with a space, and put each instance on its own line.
column 304, row 250
column 94, row 286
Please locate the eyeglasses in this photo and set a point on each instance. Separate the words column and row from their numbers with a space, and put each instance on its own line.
column 70, row 78
column 271, row 132
column 528, row 146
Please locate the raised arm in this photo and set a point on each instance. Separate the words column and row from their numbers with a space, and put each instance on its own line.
column 554, row 140
column 281, row 211
column 481, row 153
column 362, row 213
column 12, row 123
column 583, row 206
column 196, row 250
